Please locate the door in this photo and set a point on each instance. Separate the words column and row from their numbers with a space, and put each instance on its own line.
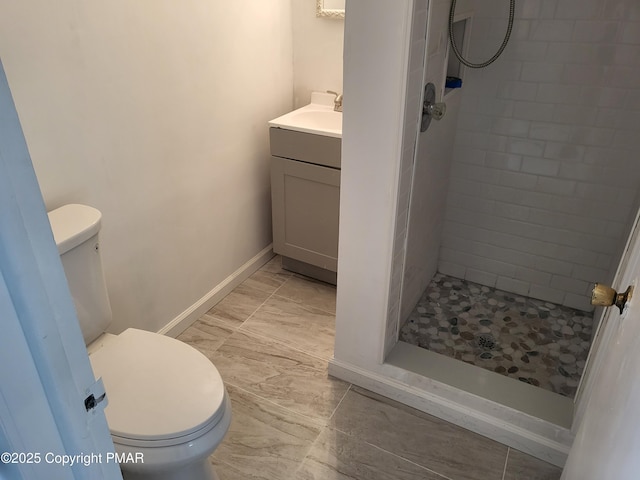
column 45, row 374
column 608, row 437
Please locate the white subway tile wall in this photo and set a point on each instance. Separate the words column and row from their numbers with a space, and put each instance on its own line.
column 546, row 167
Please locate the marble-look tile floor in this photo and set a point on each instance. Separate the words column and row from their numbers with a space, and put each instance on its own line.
column 271, row 339
column 533, row 341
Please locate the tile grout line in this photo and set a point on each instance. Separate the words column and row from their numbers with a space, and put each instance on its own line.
column 304, row 304
column 506, row 461
column 266, row 299
column 280, row 342
column 315, row 441
column 297, row 302
column 340, row 402
column 248, row 330
column 289, row 277
column 322, row 423
column 444, row 477
column 299, row 277
column 315, row 419
column 306, row 279
column 261, row 305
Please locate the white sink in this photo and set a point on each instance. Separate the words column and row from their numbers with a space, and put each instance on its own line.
column 318, row 117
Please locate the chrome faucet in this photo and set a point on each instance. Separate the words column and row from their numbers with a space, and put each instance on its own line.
column 337, row 102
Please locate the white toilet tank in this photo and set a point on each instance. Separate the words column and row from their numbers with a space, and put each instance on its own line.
column 75, row 229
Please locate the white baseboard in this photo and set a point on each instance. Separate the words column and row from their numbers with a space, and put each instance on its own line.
column 179, row 324
column 469, row 411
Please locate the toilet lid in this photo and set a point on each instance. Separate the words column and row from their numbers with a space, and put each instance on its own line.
column 157, row 387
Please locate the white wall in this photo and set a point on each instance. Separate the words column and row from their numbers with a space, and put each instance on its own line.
column 317, row 52
column 155, row 113
column 546, row 173
column 376, row 45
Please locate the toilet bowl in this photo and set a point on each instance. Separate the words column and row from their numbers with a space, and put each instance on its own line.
column 167, row 407
column 167, row 404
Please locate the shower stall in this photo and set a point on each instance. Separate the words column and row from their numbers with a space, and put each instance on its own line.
column 541, row 187
column 504, row 212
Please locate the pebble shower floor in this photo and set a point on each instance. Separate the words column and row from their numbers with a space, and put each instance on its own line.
column 534, row 341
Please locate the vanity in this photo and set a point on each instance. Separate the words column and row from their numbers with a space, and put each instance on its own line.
column 305, row 187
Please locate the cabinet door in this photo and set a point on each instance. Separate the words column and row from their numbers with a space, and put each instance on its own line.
column 305, row 205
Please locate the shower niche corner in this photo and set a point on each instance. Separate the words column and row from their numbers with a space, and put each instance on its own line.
column 461, row 33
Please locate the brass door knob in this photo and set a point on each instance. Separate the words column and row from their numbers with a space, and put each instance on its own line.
column 605, row 296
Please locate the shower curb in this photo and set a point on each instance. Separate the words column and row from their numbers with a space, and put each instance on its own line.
column 537, row 437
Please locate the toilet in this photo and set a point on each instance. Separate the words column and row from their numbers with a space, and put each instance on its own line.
column 167, row 403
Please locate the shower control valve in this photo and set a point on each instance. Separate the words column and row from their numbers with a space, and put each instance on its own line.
column 431, row 108
column 436, row 110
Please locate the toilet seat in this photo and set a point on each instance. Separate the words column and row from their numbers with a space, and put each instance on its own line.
column 160, row 391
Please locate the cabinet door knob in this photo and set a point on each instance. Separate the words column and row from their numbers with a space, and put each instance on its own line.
column 605, row 296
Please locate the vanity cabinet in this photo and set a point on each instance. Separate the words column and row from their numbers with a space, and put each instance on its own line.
column 305, row 196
